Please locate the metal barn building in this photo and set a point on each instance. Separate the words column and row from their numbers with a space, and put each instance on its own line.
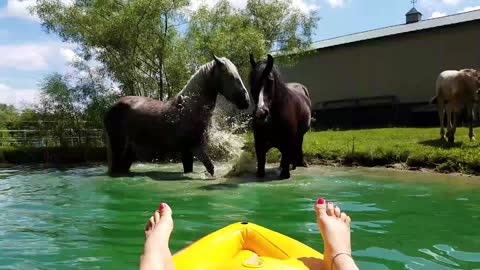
column 386, row 76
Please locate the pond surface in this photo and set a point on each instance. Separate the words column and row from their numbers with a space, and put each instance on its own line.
column 81, row 219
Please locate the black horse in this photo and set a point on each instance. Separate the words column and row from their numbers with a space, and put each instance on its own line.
column 144, row 127
column 282, row 116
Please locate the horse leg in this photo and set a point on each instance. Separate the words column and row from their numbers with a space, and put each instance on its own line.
column 450, row 114
column 441, row 117
column 116, row 144
column 471, row 135
column 261, row 153
column 187, row 161
column 289, row 152
column 285, row 164
column 300, row 161
column 200, row 153
column 127, row 159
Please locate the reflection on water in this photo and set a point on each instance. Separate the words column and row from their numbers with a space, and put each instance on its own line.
column 81, row 219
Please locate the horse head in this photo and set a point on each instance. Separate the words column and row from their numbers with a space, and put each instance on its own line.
column 262, row 86
column 231, row 84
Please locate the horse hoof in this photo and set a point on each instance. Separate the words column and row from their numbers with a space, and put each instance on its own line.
column 284, row 175
column 451, row 140
column 261, row 174
column 472, row 139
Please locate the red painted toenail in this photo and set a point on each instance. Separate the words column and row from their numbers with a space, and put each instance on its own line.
column 321, row 201
column 162, row 205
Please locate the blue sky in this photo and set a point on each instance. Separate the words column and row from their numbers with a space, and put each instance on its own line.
column 27, row 53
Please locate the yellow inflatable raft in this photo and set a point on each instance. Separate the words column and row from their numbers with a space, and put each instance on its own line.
column 246, row 246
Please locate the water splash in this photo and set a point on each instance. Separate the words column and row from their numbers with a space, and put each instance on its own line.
column 227, row 140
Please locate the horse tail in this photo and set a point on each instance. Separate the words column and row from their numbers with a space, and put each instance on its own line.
column 434, row 100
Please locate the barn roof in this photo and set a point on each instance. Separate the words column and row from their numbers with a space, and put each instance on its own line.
column 398, row 29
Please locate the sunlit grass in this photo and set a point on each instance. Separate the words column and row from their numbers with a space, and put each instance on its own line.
column 415, row 147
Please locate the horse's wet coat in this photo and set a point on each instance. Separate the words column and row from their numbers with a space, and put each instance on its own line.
column 141, row 127
column 282, row 116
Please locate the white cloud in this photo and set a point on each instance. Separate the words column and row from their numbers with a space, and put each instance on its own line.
column 451, row 2
column 336, row 3
column 69, row 55
column 35, row 56
column 19, row 98
column 437, row 14
column 196, row 4
column 304, row 6
column 467, row 9
column 20, row 9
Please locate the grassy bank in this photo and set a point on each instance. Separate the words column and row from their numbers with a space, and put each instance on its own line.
column 413, row 147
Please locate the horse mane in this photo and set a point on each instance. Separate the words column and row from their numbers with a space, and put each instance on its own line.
column 195, row 84
column 276, row 73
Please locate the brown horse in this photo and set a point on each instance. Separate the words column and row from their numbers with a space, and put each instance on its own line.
column 143, row 127
column 456, row 89
column 282, row 116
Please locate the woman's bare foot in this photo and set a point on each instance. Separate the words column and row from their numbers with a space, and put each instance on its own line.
column 156, row 253
column 334, row 226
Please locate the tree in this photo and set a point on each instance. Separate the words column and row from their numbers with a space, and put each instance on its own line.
column 8, row 120
column 263, row 26
column 226, row 32
column 131, row 38
column 151, row 48
column 72, row 105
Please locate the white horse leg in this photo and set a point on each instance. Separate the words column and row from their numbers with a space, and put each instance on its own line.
column 471, row 135
column 450, row 135
column 441, row 117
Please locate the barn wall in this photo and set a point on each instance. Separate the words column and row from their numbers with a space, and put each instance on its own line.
column 405, row 65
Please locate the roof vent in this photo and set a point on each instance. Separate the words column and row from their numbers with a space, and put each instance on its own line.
column 413, row 16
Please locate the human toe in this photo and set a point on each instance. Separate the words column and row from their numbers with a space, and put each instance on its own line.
column 343, row 217
column 321, row 207
column 349, row 220
column 337, row 211
column 330, row 209
column 156, row 216
column 165, row 210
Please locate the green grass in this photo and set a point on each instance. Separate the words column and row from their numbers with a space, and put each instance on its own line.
column 414, row 147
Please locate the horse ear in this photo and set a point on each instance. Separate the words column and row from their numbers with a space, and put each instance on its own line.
column 269, row 67
column 252, row 61
column 217, row 60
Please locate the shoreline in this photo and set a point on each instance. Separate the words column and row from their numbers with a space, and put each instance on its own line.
column 396, row 172
column 401, row 167
column 312, row 162
column 405, row 149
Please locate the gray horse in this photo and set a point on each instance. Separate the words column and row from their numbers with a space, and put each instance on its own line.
column 141, row 126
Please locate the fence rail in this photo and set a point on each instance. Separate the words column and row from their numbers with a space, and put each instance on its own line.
column 49, row 137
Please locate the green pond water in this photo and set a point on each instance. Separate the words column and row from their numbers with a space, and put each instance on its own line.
column 81, row 219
